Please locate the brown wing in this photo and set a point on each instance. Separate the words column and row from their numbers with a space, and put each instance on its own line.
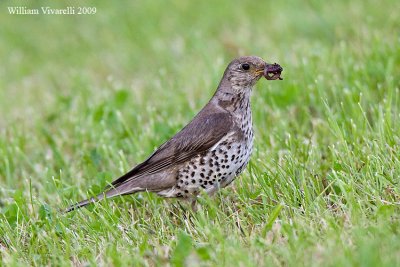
column 203, row 132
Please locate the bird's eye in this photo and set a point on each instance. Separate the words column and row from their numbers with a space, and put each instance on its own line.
column 245, row 66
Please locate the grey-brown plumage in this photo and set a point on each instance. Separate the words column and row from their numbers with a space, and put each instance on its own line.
column 209, row 152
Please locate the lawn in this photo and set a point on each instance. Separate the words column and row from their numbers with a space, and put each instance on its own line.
column 83, row 98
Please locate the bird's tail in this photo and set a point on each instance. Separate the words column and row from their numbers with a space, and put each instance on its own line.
column 115, row 191
column 84, row 203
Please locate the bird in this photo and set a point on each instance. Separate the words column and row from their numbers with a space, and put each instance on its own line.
column 209, row 152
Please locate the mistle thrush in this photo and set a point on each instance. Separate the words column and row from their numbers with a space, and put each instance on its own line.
column 209, row 152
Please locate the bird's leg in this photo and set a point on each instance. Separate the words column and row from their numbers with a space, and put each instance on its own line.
column 193, row 204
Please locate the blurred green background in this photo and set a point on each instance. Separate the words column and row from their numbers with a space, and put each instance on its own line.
column 85, row 97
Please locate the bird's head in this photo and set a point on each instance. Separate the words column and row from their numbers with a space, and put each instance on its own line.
column 244, row 72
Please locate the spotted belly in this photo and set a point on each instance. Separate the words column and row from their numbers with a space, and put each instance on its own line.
column 215, row 169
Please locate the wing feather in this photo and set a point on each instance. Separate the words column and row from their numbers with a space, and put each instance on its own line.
column 202, row 133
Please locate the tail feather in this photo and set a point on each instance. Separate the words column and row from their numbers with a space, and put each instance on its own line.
column 154, row 183
column 84, row 203
column 107, row 194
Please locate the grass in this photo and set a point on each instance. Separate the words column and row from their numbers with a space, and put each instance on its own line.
column 85, row 98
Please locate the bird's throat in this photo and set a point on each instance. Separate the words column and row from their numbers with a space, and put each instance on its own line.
column 234, row 102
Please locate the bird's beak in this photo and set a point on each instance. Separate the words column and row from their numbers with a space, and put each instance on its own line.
column 272, row 71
